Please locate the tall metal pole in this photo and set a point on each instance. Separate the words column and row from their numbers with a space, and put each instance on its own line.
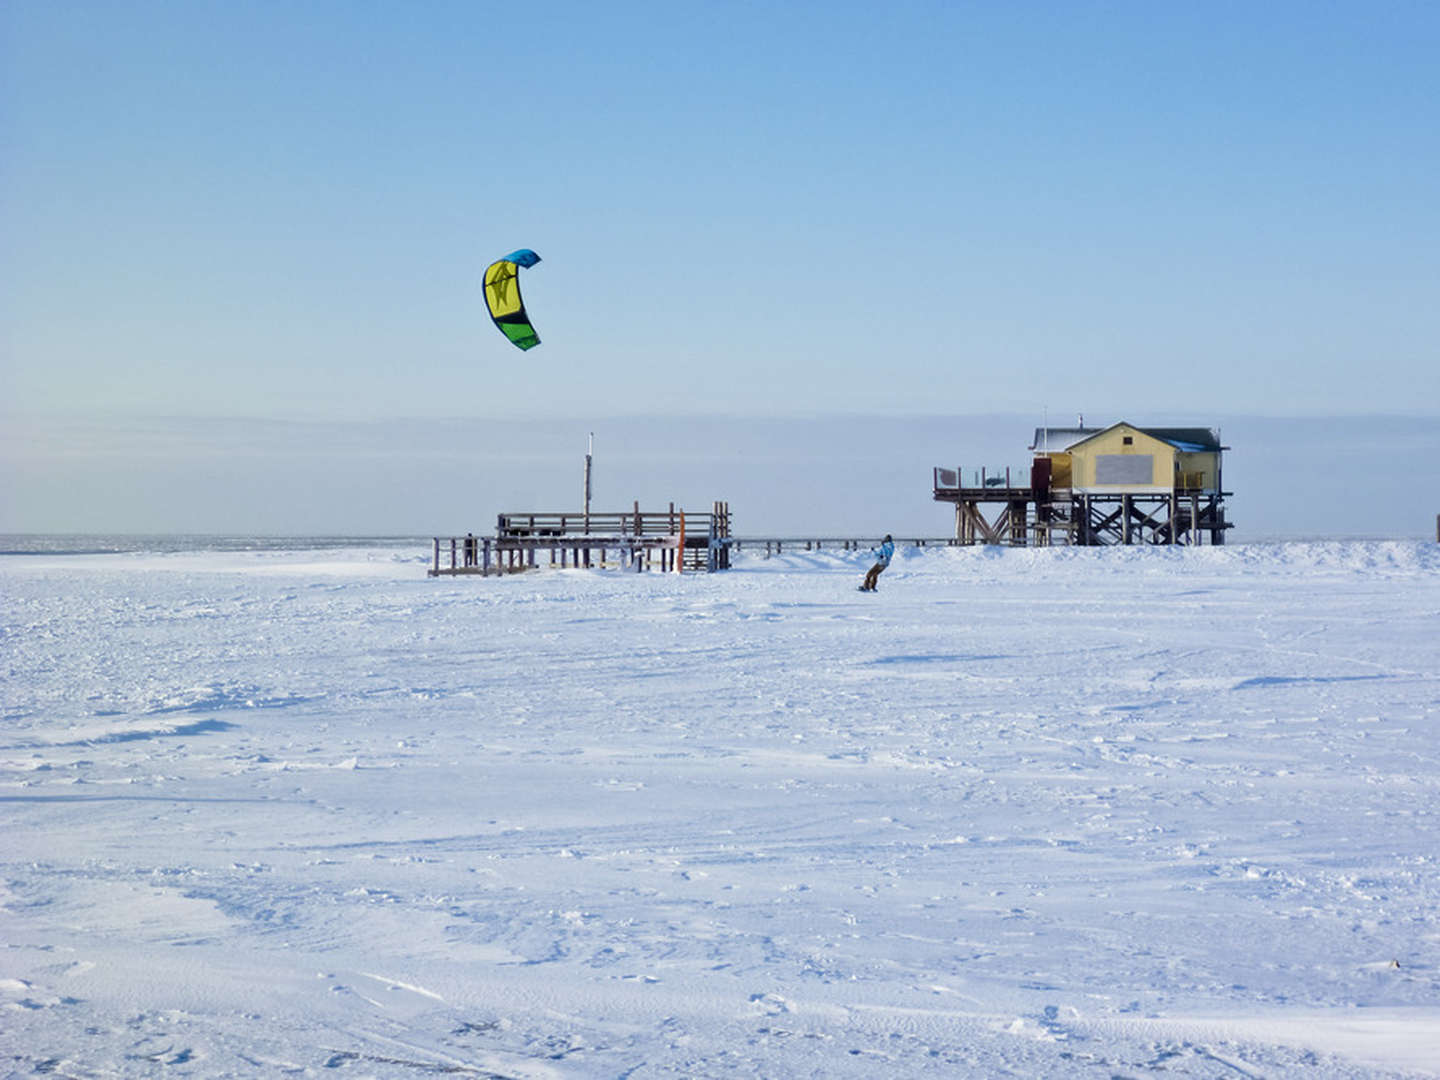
column 589, row 453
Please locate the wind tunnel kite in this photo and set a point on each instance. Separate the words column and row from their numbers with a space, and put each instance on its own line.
column 502, row 296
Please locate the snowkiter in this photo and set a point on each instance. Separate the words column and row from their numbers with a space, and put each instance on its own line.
column 882, row 559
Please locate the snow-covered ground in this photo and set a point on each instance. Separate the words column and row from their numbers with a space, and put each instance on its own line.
column 1118, row 812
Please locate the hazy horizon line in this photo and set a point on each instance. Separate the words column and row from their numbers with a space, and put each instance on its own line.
column 1055, row 416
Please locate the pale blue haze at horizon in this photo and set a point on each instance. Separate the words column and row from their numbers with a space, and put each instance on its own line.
column 264, row 210
column 1295, row 478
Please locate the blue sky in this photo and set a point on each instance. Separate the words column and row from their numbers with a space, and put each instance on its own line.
column 283, row 210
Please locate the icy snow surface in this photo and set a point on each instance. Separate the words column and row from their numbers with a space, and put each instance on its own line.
column 1097, row 813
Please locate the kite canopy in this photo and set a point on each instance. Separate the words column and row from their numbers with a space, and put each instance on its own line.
column 502, row 296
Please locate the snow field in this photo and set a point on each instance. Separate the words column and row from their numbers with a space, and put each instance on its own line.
column 1067, row 812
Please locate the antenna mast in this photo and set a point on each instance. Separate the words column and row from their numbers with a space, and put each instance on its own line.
column 589, row 453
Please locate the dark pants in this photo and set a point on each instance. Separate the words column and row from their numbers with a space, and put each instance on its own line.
column 873, row 575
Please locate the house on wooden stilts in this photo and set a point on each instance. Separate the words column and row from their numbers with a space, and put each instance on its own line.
column 1130, row 485
column 1121, row 484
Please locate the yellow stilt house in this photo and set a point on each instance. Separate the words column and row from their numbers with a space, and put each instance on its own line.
column 1125, row 458
column 1121, row 484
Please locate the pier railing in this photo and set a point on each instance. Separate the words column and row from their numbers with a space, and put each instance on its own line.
column 988, row 478
column 669, row 539
column 627, row 523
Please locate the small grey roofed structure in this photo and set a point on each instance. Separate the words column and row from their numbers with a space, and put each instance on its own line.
column 1061, row 438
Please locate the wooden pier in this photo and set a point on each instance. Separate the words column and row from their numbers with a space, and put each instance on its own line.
column 670, row 541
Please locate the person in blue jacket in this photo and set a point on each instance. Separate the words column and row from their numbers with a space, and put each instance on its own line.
column 882, row 560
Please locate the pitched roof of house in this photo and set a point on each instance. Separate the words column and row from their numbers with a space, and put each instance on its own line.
column 1061, row 438
column 1191, row 440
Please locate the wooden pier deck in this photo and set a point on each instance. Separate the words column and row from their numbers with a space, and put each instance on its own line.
column 668, row 540
column 1036, row 514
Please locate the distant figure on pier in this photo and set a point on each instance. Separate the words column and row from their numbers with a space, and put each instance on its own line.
column 470, row 559
column 882, row 559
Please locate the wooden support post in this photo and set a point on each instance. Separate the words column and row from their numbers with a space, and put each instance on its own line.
column 725, row 550
column 1125, row 518
column 486, row 569
column 437, row 552
column 1195, row 520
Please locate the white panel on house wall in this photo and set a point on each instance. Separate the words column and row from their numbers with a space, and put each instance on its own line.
column 1124, row 468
